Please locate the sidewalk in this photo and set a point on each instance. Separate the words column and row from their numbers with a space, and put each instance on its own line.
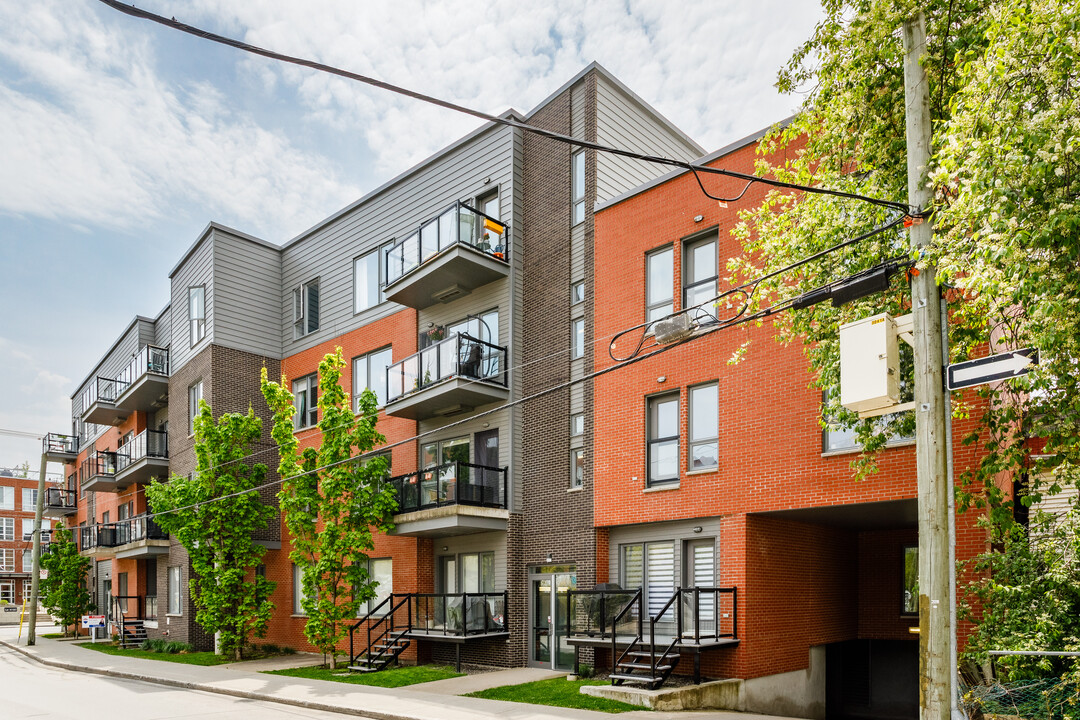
column 407, row 703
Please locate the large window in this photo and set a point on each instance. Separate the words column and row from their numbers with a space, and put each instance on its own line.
column 663, row 438
column 29, row 499
column 7, row 561
column 27, row 561
column 28, row 527
column 369, row 371
column 7, row 591
column 306, row 308
column 577, row 186
column 306, row 400
column 700, row 273
column 195, row 396
column 7, row 529
column 172, row 583
column 651, row 567
column 381, row 571
column 298, row 590
column 659, row 284
column 577, row 338
column 444, row 451
column 468, row 572
column 7, row 497
column 368, row 271
column 704, row 427
column 197, row 313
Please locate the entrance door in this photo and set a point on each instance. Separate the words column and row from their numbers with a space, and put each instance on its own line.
column 699, row 571
column 550, row 616
column 487, row 484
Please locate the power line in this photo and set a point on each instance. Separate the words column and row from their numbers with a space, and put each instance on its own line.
column 510, row 122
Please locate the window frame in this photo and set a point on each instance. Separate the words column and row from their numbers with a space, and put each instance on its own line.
column 173, row 590
column 195, row 388
column 577, row 468
column 7, row 497
column 669, row 302
column 368, row 606
column 32, row 505
column 28, row 560
column 302, row 308
column 357, row 388
column 904, row 611
column 652, row 401
column 578, row 181
column 298, row 591
column 577, row 419
column 711, row 236
column 379, row 252
column 691, row 441
column 312, row 391
column 196, row 324
column 577, row 293
column 7, row 590
column 7, row 559
column 577, row 338
column 7, row 529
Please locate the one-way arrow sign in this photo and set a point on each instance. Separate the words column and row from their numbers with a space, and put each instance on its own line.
column 995, row 367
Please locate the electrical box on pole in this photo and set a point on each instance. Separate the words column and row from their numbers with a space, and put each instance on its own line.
column 870, row 363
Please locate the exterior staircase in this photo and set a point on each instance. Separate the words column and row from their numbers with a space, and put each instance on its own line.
column 637, row 666
column 382, row 653
column 132, row 633
column 386, row 639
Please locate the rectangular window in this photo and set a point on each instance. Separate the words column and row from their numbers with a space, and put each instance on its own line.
column 27, row 561
column 195, row 396
column 368, row 272
column 306, row 401
column 369, row 371
column 704, row 427
column 7, row 561
column 700, row 273
column 7, row 591
column 7, row 497
column 298, row 590
column 476, row 572
column 577, row 468
column 577, row 293
column 577, row 338
column 577, row 186
column 306, row 308
column 577, row 424
column 381, row 571
column 651, row 567
column 910, row 600
column 659, row 284
column 7, row 529
column 197, row 313
column 29, row 499
column 172, row 582
column 663, row 437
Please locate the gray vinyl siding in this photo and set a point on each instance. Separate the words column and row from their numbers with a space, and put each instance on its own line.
column 110, row 366
column 577, row 111
column 481, row 542
column 621, row 122
column 163, row 328
column 329, row 250
column 247, row 314
column 198, row 269
column 678, row 531
column 515, row 338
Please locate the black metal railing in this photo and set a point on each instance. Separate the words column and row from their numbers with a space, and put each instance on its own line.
column 459, row 224
column 452, row 483
column 101, row 389
column 459, row 614
column 150, row 360
column 121, row 532
column 384, row 627
column 457, row 356
column 148, row 443
column 102, row 464
column 57, row 443
column 97, row 536
column 60, row 498
column 592, row 612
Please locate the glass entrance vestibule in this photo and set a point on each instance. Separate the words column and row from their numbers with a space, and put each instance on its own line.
column 549, row 616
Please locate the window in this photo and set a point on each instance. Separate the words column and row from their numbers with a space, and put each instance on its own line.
column 28, row 527
column 910, row 600
column 197, row 313
column 306, row 400
column 577, row 293
column 577, row 186
column 7, row 529
column 195, row 396
column 700, row 273
column 172, row 582
column 306, row 308
column 7, row 497
column 7, row 591
column 444, row 451
column 27, row 589
column 298, row 590
column 7, row 561
column 27, row 561
column 663, row 424
column 369, row 371
column 29, row 499
column 577, row 338
column 381, row 571
column 577, row 424
column 651, row 567
column 659, row 281
column 577, row 468
column 704, row 429
column 368, row 271
column 468, row 573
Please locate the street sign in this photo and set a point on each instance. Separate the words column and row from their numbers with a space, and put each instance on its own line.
column 996, row 367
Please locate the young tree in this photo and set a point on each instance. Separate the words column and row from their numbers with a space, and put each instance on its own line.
column 214, row 514
column 63, row 589
column 333, row 505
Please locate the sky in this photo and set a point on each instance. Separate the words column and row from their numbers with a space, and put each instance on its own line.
column 121, row 139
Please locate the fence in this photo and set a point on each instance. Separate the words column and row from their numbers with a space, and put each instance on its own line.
column 1047, row 692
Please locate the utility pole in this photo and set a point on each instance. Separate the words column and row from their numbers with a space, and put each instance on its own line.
column 930, row 441
column 35, row 542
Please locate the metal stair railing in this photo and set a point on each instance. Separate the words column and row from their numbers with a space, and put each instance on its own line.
column 636, row 599
column 387, row 620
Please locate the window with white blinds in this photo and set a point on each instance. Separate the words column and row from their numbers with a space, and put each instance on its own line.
column 702, row 567
column 650, row 566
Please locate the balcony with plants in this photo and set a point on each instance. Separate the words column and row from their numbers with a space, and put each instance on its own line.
column 448, row 256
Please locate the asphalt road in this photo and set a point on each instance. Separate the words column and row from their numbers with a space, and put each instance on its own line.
column 30, row 690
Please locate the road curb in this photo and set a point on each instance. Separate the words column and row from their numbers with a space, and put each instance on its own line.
column 245, row 694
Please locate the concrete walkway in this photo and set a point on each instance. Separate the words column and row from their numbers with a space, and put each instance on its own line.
column 485, row 681
column 407, row 703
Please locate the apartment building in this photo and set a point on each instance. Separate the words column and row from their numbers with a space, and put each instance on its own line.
column 457, row 290
column 18, row 502
column 716, row 492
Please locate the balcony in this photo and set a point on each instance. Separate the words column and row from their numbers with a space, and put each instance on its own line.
column 135, row 537
column 456, row 498
column 98, row 473
column 452, row 376
column 99, row 402
column 144, row 384
column 144, row 458
column 448, row 256
column 60, row 448
column 60, row 502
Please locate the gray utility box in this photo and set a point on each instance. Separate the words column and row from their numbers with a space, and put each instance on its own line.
column 869, row 364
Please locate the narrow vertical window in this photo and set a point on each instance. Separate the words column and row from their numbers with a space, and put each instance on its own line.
column 577, row 468
column 381, row 571
column 298, row 590
column 700, row 273
column 663, row 438
column 577, row 338
column 172, row 581
column 704, row 427
column 306, row 401
column 577, row 186
column 197, row 313
column 195, row 395
column 577, row 424
column 577, row 293
column 367, row 292
column 659, row 284
column 369, row 371
column 910, row 600
column 306, row 308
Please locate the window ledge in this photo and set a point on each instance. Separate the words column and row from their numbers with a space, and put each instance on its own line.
column 575, row 489
column 853, row 450
column 296, row 615
column 174, row 614
column 661, row 488
column 703, row 471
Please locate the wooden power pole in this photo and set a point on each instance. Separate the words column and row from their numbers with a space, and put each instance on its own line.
column 935, row 628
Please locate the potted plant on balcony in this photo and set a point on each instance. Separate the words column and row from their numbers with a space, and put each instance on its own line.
column 435, row 332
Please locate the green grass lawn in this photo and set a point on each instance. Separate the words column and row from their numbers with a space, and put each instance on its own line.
column 190, row 658
column 391, row 678
column 53, row 636
column 559, row 692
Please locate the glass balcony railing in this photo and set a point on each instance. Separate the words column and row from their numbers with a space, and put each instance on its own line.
column 457, row 225
column 148, row 443
column 453, row 483
column 150, row 360
column 456, row 356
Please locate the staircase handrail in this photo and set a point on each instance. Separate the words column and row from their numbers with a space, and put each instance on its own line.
column 716, row 592
column 387, row 618
column 652, row 628
column 615, row 623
